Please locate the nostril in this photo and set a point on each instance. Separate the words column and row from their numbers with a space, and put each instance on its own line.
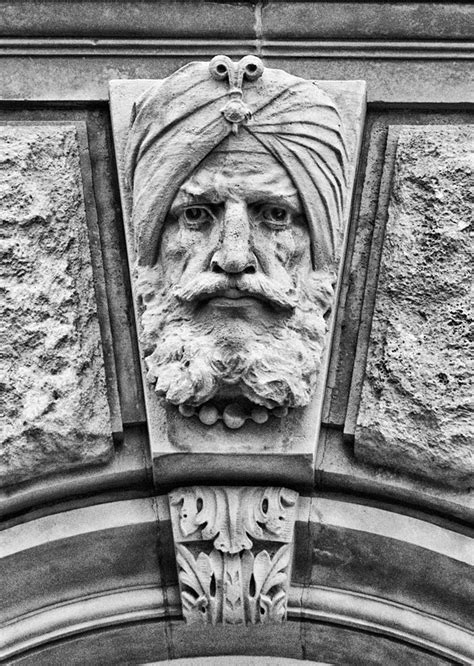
column 216, row 268
column 250, row 269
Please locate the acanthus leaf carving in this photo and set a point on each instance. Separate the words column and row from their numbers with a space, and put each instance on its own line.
column 237, row 582
column 199, row 597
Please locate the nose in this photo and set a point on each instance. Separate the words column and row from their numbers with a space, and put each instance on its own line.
column 234, row 253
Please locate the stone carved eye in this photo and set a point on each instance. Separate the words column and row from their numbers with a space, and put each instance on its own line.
column 196, row 216
column 275, row 217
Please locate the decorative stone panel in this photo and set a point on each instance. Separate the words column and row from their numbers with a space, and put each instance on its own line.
column 164, row 131
column 233, row 552
column 415, row 413
column 54, row 401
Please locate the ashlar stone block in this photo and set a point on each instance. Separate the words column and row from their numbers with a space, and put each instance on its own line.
column 416, row 412
column 53, row 391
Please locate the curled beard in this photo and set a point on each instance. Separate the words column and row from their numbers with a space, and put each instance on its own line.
column 271, row 360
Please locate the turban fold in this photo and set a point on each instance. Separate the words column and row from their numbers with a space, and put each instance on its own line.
column 178, row 122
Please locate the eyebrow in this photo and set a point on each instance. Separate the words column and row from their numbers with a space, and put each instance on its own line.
column 289, row 200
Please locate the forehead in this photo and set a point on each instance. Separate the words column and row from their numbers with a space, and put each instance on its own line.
column 239, row 169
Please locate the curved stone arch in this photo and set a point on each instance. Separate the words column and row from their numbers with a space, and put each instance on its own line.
column 322, row 605
column 235, row 660
column 126, row 598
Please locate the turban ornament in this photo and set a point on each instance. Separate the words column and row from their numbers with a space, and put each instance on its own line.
column 180, row 120
column 250, row 68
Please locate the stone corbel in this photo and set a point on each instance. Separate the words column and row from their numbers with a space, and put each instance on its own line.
column 233, row 551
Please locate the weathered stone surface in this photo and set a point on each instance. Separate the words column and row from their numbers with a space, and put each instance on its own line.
column 53, row 389
column 415, row 414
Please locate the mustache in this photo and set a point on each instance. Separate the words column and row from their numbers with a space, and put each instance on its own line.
column 210, row 285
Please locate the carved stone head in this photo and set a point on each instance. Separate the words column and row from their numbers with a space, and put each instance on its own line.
column 238, row 180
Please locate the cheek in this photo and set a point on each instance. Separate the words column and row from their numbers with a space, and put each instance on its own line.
column 285, row 246
column 171, row 243
column 302, row 245
column 182, row 249
column 172, row 254
column 288, row 247
column 196, row 246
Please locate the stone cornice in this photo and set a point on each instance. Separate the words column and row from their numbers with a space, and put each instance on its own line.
column 337, row 49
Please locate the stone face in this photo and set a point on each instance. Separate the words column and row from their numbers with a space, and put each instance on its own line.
column 236, row 204
column 238, row 197
column 415, row 414
column 53, row 392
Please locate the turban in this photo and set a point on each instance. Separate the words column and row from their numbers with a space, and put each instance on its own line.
column 176, row 123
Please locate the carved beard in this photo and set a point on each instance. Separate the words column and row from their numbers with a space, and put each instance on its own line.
column 273, row 359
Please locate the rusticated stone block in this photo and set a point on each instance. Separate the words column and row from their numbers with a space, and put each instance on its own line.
column 54, row 401
column 414, row 414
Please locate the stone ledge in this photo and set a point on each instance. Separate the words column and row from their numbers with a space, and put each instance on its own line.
column 75, row 78
column 398, row 49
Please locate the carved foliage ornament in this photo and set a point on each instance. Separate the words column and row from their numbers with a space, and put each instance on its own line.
column 238, row 176
column 235, row 566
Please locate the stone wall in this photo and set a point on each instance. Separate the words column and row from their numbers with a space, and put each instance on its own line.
column 381, row 560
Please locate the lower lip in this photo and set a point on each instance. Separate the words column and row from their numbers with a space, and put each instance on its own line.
column 223, row 302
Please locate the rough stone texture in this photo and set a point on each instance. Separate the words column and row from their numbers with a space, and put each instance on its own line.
column 53, row 393
column 415, row 414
